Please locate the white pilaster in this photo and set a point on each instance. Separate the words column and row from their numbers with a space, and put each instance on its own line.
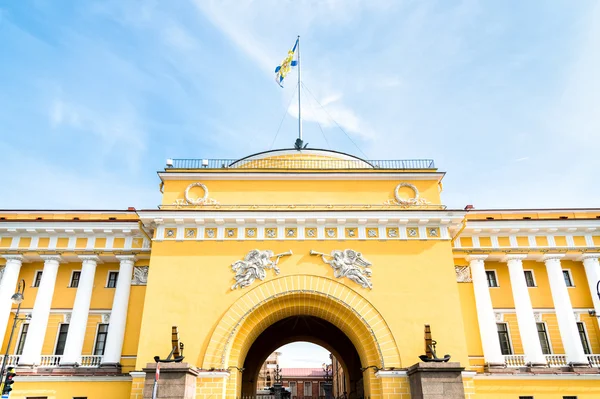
column 118, row 315
column 524, row 310
column 8, row 286
column 81, row 309
column 485, row 312
column 592, row 271
column 41, row 310
column 567, row 325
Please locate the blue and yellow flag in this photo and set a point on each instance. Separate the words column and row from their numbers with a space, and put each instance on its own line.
column 286, row 65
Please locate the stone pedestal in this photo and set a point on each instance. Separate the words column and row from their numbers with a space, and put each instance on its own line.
column 328, row 388
column 436, row 381
column 177, row 381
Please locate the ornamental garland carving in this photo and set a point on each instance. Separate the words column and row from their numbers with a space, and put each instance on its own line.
column 463, row 274
column 188, row 200
column 415, row 200
column 140, row 275
column 254, row 266
column 348, row 263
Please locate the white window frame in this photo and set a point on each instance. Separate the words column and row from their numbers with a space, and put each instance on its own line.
column 547, row 336
column 587, row 337
column 96, row 338
column 35, row 275
column 295, row 388
column 304, row 388
column 532, row 276
column 19, row 337
column 495, row 276
column 510, row 341
column 570, row 277
column 108, row 278
column 71, row 279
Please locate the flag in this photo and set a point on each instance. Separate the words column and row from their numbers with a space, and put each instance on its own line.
column 286, row 65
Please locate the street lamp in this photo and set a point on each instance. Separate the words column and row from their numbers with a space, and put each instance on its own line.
column 17, row 299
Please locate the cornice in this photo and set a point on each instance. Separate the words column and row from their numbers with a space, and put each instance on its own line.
column 524, row 227
column 86, row 227
column 308, row 175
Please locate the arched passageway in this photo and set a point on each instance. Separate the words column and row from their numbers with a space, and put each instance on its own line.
column 303, row 328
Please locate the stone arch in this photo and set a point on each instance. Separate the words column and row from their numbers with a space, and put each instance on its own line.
column 310, row 295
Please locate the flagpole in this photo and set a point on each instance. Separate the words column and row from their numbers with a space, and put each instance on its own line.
column 299, row 91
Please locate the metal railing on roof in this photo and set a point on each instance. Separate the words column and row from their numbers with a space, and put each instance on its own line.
column 283, row 163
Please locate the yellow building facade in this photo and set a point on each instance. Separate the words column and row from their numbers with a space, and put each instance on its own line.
column 244, row 256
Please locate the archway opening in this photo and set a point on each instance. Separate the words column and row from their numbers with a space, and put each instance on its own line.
column 345, row 360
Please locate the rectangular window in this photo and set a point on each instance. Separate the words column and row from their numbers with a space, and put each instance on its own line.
column 307, row 388
column 569, row 397
column 321, row 389
column 112, row 279
column 504, row 338
column 38, row 278
column 100, row 339
column 62, row 339
column 544, row 341
column 75, row 279
column 21, row 344
column 529, row 278
column 525, row 397
column 568, row 279
column 293, row 389
column 491, row 278
column 584, row 339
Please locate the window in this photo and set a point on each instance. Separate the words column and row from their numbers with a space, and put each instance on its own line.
column 543, row 335
column 529, row 278
column 62, row 339
column 491, row 278
column 568, row 278
column 569, row 397
column 38, row 278
column 584, row 340
column 75, row 279
column 100, row 339
column 307, row 388
column 22, row 337
column 293, row 388
column 504, row 338
column 321, row 389
column 112, row 279
column 79, row 397
column 525, row 397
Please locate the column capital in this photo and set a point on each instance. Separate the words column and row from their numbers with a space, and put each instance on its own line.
column 589, row 255
column 125, row 258
column 89, row 258
column 14, row 257
column 471, row 257
column 510, row 257
column 550, row 257
column 50, row 258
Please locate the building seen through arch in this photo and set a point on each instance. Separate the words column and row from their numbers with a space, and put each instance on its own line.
column 245, row 255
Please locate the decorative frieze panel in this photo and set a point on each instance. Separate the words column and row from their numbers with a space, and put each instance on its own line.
column 140, row 275
column 254, row 266
column 463, row 274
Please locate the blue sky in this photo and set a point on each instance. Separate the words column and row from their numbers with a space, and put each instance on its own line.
column 95, row 95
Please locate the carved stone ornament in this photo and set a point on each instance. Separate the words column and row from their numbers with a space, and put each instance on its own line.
column 254, row 266
column 105, row 318
column 1, row 273
column 67, row 318
column 140, row 275
column 415, row 200
column 199, row 200
column 348, row 263
column 463, row 274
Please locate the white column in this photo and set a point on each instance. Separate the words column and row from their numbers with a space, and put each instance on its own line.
column 592, row 271
column 525, row 317
column 81, row 309
column 118, row 315
column 32, row 350
column 8, row 286
column 567, row 325
column 485, row 312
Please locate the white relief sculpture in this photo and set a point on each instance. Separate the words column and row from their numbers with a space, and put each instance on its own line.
column 330, row 233
column 291, row 232
column 210, row 233
column 140, row 275
column 372, row 233
column 412, row 232
column 199, row 200
column 348, row 263
column 392, row 233
column 433, row 232
column 67, row 318
column 311, row 232
column 351, row 233
column 415, row 200
column 271, row 233
column 1, row 273
column 105, row 318
column 170, row 233
column 254, row 266
column 251, row 232
column 463, row 274
column 230, row 232
column 190, row 233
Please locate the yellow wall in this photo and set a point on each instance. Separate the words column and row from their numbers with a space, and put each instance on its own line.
column 69, row 389
column 539, row 389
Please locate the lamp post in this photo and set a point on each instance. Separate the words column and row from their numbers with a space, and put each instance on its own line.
column 328, row 385
column 17, row 299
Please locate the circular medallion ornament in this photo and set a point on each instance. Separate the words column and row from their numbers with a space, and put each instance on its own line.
column 409, row 201
column 198, row 200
